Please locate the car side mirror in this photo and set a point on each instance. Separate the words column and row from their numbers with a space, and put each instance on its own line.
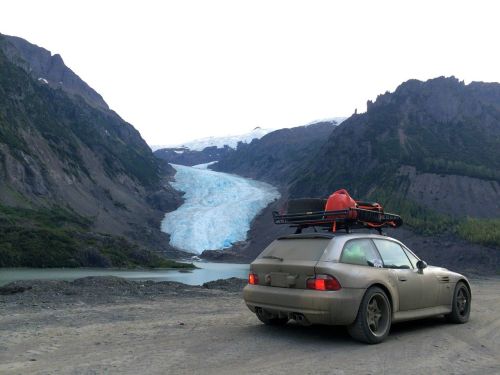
column 421, row 265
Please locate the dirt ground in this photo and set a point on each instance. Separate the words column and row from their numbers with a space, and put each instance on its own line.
column 168, row 328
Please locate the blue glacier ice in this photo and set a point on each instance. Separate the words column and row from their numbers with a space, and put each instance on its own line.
column 218, row 208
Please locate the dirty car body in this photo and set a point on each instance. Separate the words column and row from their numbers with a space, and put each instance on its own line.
column 363, row 281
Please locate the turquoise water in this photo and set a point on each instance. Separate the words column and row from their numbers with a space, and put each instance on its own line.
column 206, row 272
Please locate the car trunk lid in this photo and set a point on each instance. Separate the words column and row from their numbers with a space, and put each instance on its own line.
column 289, row 261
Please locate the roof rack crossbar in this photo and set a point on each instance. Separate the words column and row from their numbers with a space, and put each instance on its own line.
column 341, row 219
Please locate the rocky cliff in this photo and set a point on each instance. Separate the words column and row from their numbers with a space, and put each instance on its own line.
column 434, row 143
column 76, row 181
column 49, row 69
column 429, row 151
column 275, row 157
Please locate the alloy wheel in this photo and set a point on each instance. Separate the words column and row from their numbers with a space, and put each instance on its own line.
column 376, row 314
column 462, row 302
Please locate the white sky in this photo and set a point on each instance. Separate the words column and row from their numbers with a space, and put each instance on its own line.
column 179, row 70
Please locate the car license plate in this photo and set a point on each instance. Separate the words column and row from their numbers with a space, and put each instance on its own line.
column 280, row 279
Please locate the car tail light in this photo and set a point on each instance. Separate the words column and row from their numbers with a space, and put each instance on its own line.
column 253, row 278
column 323, row 282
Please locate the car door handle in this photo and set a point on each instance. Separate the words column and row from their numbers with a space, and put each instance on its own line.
column 402, row 278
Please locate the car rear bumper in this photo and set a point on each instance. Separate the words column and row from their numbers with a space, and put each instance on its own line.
column 318, row 307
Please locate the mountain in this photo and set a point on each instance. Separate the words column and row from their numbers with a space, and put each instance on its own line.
column 221, row 149
column 276, row 156
column 78, row 185
column 434, row 143
column 49, row 69
column 429, row 151
column 230, row 141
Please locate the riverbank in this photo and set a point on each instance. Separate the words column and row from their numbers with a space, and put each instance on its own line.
column 110, row 325
column 201, row 273
column 103, row 290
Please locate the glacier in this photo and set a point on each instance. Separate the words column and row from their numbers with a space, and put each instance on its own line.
column 218, row 208
column 230, row 140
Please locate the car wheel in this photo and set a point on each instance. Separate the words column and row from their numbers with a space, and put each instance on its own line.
column 270, row 319
column 373, row 321
column 461, row 304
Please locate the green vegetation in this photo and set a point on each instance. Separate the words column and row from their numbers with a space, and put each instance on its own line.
column 58, row 237
column 421, row 219
column 442, row 166
column 428, row 222
column 483, row 231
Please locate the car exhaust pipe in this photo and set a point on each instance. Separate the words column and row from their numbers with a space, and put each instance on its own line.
column 268, row 314
column 300, row 318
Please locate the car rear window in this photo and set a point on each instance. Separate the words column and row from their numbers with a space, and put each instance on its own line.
column 297, row 249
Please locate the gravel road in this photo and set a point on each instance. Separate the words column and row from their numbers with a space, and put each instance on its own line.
column 110, row 325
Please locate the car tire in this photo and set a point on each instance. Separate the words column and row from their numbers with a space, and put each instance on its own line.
column 269, row 319
column 461, row 304
column 373, row 322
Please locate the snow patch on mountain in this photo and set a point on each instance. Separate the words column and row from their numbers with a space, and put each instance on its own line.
column 217, row 211
column 232, row 140
column 333, row 120
column 228, row 140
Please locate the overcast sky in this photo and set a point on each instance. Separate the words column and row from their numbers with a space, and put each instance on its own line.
column 179, row 70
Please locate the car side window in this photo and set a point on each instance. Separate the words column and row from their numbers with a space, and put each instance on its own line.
column 392, row 254
column 362, row 252
column 413, row 258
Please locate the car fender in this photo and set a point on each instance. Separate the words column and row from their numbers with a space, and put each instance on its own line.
column 352, row 276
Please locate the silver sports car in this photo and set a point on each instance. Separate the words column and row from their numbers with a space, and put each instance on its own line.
column 363, row 281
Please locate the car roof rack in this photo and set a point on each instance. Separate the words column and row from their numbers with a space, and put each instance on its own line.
column 307, row 236
column 332, row 221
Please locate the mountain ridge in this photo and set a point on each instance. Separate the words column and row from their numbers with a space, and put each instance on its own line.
column 276, row 155
column 185, row 155
column 49, row 69
column 429, row 151
column 418, row 137
column 75, row 172
column 230, row 141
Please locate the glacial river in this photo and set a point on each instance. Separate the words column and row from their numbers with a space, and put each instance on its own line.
column 206, row 272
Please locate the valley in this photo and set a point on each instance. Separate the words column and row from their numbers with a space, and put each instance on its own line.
column 91, row 193
column 254, row 188
column 413, row 151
